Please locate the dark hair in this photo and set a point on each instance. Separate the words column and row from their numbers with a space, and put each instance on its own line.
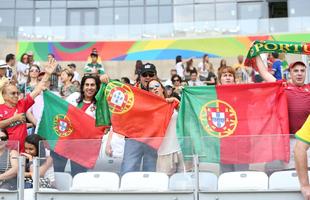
column 193, row 72
column 204, row 56
column 275, row 54
column 9, row 57
column 179, row 77
column 36, row 66
column 35, row 140
column 5, row 132
column 21, row 57
column 161, row 85
column 50, row 54
column 178, row 59
column 125, row 80
column 97, row 81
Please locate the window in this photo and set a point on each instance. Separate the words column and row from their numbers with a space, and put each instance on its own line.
column 183, row 13
column 136, row 15
column 151, row 15
column 121, row 15
column 165, row 14
column 42, row 17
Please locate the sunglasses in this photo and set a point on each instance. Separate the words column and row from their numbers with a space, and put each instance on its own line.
column 157, row 85
column 175, row 80
column 148, row 74
column 34, row 70
column 3, row 138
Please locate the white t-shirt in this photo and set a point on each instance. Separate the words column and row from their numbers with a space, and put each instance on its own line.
column 170, row 143
column 202, row 72
column 50, row 171
column 195, row 83
column 76, row 77
column 180, row 69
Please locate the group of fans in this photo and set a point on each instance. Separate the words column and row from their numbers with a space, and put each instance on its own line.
column 21, row 103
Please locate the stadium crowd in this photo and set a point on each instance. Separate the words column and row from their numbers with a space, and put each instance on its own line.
column 21, row 105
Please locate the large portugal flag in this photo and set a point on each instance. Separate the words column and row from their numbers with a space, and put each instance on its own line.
column 235, row 124
column 69, row 131
column 133, row 112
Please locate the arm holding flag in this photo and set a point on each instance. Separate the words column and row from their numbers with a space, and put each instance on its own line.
column 262, row 69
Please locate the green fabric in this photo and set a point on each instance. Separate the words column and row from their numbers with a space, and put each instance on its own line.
column 103, row 114
column 97, row 66
column 190, row 131
column 47, row 123
column 268, row 46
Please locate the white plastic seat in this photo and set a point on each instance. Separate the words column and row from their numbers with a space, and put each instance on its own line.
column 95, row 181
column 63, row 181
column 243, row 180
column 144, row 181
column 186, row 181
column 284, row 180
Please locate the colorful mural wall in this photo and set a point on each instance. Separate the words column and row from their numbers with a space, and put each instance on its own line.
column 151, row 49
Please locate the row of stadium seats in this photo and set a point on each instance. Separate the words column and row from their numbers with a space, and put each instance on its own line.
column 155, row 181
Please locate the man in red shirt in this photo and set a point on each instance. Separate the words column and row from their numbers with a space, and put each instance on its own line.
column 12, row 112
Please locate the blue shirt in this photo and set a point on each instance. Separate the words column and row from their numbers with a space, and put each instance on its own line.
column 276, row 67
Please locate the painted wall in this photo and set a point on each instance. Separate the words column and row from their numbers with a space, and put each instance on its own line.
column 151, row 49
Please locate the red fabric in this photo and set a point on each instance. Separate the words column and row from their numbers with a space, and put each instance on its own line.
column 298, row 98
column 83, row 145
column 262, row 132
column 147, row 120
column 85, row 106
column 19, row 131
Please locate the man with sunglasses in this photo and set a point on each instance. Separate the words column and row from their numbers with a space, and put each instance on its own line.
column 12, row 112
column 136, row 152
column 147, row 72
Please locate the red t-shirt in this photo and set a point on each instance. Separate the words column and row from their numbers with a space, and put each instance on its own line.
column 17, row 131
column 298, row 99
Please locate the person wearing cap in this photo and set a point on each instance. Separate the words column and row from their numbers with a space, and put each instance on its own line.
column 3, row 79
column 147, row 72
column 94, row 68
column 76, row 76
column 31, row 60
column 298, row 97
column 301, row 161
column 136, row 152
column 12, row 112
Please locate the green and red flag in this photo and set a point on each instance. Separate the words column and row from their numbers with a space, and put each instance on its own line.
column 133, row 112
column 234, row 124
column 69, row 131
column 268, row 46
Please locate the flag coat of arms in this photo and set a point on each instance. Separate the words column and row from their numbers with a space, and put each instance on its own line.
column 133, row 112
column 235, row 124
column 69, row 131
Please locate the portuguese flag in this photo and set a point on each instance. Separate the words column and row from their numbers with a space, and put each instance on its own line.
column 133, row 112
column 69, row 131
column 235, row 124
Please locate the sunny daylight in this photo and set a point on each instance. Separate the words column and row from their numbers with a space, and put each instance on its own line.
column 154, row 99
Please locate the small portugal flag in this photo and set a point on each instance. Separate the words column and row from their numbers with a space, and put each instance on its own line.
column 235, row 124
column 69, row 131
column 133, row 112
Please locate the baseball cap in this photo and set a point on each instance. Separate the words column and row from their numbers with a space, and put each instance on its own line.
column 3, row 64
column 148, row 67
column 292, row 65
column 94, row 53
column 30, row 53
column 72, row 65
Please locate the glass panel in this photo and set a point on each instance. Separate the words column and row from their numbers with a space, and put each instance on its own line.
column 90, row 17
column 7, row 17
column 183, row 1
column 151, row 2
column 151, row 15
column 42, row 4
column 183, row 14
column 106, row 16
column 58, row 4
column 204, row 1
column 75, row 17
column 24, row 4
column 24, row 18
column 121, row 2
column 42, row 17
column 249, row 10
column 58, row 17
column 165, row 14
column 7, row 4
column 225, row 11
column 204, row 12
column 136, row 2
column 82, row 4
column 136, row 15
column 165, row 2
column 106, row 3
column 121, row 15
